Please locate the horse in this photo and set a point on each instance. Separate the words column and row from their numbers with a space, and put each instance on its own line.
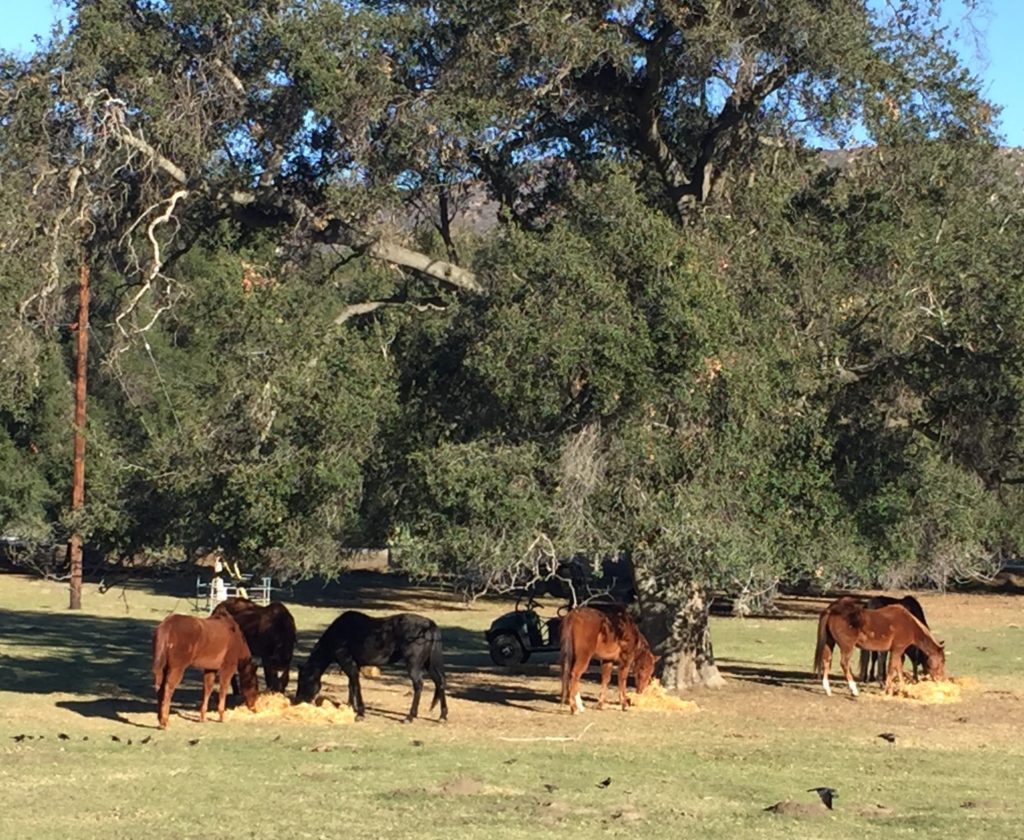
column 215, row 645
column 847, row 623
column 610, row 635
column 270, row 633
column 873, row 663
column 356, row 639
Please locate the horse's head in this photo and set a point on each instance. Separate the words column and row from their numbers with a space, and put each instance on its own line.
column 248, row 683
column 309, row 684
column 644, row 672
column 936, row 663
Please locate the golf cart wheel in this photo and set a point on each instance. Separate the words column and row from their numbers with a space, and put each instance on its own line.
column 506, row 649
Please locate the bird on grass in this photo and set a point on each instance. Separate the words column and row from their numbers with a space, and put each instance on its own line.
column 888, row 736
column 826, row 794
column 605, row 783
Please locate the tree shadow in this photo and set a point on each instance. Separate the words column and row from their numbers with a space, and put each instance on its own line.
column 765, row 673
column 75, row 653
column 513, row 696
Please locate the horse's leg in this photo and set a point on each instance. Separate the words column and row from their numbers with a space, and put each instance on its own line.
column 269, row 675
column 285, row 666
column 883, row 666
column 845, row 655
column 416, row 675
column 355, row 691
column 437, row 675
column 865, row 666
column 207, row 691
column 623, row 678
column 579, row 665
column 606, row 677
column 226, row 678
column 171, row 678
column 826, row 666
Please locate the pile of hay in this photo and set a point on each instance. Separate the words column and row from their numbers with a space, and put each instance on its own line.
column 931, row 691
column 657, row 699
column 273, row 706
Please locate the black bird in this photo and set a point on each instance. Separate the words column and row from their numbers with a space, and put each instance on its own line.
column 510, row 761
column 550, row 788
column 64, row 737
column 888, row 736
column 115, row 738
column 19, row 738
column 146, row 740
column 826, row 794
column 417, row 743
column 605, row 783
column 193, row 742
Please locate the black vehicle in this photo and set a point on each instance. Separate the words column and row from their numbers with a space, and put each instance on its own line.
column 512, row 637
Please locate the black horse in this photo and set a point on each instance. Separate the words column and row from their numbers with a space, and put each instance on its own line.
column 870, row 660
column 356, row 639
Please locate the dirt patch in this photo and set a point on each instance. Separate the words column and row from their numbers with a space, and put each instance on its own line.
column 801, row 810
column 461, row 786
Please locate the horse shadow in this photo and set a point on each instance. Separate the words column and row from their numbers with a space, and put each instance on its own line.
column 768, row 674
column 110, row 708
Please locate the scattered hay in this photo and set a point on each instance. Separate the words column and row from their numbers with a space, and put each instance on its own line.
column 657, row 699
column 273, row 706
column 930, row 691
column 371, row 672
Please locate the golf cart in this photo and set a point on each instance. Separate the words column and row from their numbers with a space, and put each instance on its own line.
column 512, row 637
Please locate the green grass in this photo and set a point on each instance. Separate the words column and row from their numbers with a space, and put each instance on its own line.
column 768, row 736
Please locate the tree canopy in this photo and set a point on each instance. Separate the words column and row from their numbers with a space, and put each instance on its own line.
column 741, row 303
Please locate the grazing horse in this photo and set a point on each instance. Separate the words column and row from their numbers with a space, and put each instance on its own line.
column 610, row 635
column 270, row 633
column 873, row 663
column 847, row 623
column 214, row 645
column 355, row 639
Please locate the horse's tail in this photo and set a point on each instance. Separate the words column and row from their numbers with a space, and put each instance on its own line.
column 159, row 658
column 435, row 666
column 566, row 655
column 824, row 638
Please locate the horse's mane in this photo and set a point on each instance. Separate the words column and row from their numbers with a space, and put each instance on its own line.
column 851, row 610
column 925, row 631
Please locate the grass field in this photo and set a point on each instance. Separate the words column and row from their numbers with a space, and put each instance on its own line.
column 80, row 755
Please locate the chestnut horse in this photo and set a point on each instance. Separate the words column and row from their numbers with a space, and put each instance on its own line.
column 847, row 623
column 270, row 633
column 873, row 663
column 354, row 639
column 214, row 645
column 610, row 635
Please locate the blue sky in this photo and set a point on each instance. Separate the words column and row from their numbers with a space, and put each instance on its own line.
column 991, row 43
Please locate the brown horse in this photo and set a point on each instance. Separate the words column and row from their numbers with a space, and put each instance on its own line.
column 270, row 634
column 610, row 635
column 847, row 623
column 873, row 664
column 215, row 646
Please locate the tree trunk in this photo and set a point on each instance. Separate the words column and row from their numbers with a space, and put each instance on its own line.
column 78, row 473
column 674, row 612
